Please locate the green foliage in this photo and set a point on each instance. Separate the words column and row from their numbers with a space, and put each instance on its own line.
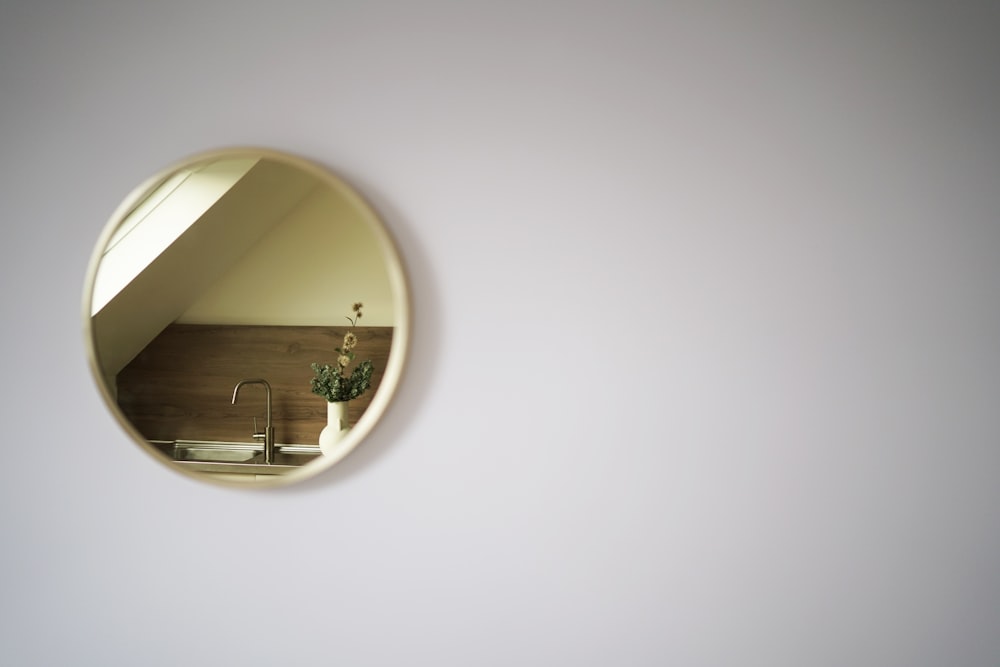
column 331, row 384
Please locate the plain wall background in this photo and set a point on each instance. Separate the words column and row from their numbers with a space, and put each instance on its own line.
column 705, row 353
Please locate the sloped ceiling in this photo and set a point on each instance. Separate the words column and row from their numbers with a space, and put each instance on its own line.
column 238, row 214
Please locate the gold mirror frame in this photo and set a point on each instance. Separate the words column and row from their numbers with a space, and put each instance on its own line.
column 394, row 275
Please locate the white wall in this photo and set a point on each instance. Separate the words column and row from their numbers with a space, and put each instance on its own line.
column 308, row 270
column 704, row 368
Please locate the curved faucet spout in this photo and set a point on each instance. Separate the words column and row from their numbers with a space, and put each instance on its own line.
column 268, row 434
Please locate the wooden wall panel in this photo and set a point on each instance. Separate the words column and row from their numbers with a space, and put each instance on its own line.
column 180, row 386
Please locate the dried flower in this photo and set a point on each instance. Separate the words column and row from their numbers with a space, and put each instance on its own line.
column 350, row 340
column 357, row 314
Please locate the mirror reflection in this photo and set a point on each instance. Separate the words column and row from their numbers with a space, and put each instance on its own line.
column 226, row 297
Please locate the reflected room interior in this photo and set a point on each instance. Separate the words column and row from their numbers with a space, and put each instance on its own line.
column 231, row 268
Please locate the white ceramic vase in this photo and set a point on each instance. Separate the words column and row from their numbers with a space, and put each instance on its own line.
column 336, row 427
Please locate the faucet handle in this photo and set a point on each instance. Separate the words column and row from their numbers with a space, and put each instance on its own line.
column 257, row 435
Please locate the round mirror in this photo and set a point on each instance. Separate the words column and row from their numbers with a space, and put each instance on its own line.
column 246, row 315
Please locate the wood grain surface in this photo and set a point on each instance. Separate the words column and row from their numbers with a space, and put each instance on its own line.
column 180, row 387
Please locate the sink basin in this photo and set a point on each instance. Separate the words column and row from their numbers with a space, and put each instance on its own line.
column 210, row 454
column 235, row 457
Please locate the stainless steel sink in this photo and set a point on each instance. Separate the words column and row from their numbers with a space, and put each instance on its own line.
column 211, row 454
column 235, row 457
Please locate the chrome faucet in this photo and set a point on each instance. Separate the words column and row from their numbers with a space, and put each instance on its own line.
column 268, row 435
